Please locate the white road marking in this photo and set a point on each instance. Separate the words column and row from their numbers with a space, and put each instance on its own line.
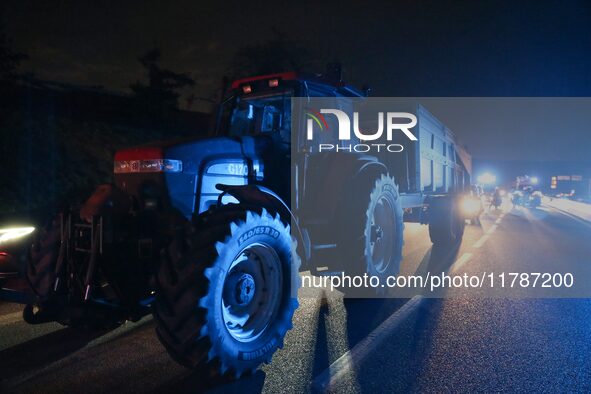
column 328, row 379
column 461, row 261
column 355, row 357
column 11, row 318
column 488, row 232
column 481, row 241
column 570, row 215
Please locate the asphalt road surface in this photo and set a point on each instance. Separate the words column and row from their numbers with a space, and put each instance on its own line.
column 461, row 344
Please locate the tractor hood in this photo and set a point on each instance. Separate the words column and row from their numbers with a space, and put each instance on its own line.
column 183, row 174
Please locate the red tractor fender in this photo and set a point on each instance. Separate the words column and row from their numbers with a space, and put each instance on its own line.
column 106, row 197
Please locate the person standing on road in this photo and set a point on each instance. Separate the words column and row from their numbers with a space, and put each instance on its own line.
column 496, row 199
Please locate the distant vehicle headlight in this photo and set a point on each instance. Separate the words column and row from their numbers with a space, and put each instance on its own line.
column 10, row 234
column 470, row 206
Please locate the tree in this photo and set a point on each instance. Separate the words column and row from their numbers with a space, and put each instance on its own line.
column 161, row 91
column 9, row 58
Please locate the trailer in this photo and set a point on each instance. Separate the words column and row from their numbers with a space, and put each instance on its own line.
column 431, row 175
column 435, row 165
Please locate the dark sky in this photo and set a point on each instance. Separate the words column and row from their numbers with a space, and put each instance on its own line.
column 400, row 48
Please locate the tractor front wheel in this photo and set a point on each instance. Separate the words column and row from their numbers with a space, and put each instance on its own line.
column 227, row 291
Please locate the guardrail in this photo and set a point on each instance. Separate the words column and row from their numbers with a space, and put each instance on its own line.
column 576, row 208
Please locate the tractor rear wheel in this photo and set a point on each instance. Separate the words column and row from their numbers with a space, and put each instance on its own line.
column 370, row 239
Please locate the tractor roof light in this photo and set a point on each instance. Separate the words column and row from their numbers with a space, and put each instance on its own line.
column 273, row 83
column 246, row 89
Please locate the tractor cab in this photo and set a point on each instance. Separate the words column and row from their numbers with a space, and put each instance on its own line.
column 259, row 106
column 262, row 105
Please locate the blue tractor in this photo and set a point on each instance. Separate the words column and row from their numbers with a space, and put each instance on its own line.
column 209, row 234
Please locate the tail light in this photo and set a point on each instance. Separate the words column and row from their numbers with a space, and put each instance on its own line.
column 142, row 160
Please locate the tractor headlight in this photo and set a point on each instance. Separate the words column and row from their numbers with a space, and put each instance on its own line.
column 11, row 234
column 470, row 206
column 150, row 165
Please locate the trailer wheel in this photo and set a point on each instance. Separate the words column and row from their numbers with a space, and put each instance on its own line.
column 226, row 294
column 460, row 221
column 372, row 240
column 446, row 225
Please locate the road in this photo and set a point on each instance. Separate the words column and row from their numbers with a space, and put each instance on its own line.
column 460, row 344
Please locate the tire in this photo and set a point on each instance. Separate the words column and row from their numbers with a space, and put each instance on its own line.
column 475, row 221
column 460, row 223
column 42, row 259
column 51, row 306
column 372, row 234
column 212, row 312
column 446, row 225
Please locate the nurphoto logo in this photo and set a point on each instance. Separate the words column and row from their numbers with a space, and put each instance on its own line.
column 395, row 121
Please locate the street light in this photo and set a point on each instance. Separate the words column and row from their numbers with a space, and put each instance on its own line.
column 487, row 179
column 534, row 180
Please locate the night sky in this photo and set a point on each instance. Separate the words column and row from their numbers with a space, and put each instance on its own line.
column 399, row 48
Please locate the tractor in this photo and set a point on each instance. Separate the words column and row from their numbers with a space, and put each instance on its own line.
column 209, row 234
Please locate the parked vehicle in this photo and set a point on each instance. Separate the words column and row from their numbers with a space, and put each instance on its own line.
column 517, row 198
column 535, row 199
column 15, row 241
column 527, row 188
column 207, row 236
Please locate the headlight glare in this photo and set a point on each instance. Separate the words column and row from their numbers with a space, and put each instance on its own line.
column 10, row 234
column 470, row 206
